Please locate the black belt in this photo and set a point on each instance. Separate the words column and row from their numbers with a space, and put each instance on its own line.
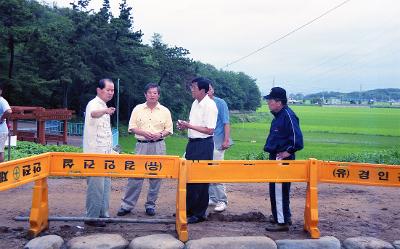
column 149, row 141
column 199, row 138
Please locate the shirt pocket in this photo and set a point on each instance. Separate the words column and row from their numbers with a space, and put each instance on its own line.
column 103, row 134
column 158, row 122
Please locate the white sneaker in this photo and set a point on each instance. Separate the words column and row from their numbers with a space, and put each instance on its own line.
column 220, row 207
column 212, row 203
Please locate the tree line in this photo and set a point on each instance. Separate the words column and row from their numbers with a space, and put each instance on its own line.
column 384, row 95
column 53, row 57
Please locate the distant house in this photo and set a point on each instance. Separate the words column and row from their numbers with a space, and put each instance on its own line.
column 333, row 101
column 294, row 102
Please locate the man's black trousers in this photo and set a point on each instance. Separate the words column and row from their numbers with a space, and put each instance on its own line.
column 197, row 193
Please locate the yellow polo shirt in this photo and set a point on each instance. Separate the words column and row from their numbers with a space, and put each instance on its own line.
column 153, row 120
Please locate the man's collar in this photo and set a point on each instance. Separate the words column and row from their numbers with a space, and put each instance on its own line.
column 201, row 102
column 278, row 112
column 157, row 106
column 100, row 100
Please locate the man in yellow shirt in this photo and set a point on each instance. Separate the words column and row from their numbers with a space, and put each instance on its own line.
column 151, row 122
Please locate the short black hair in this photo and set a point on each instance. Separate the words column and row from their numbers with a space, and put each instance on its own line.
column 202, row 83
column 102, row 83
column 152, row 85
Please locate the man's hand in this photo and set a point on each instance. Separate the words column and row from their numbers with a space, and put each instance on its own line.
column 156, row 136
column 110, row 110
column 182, row 125
column 148, row 135
column 225, row 145
column 282, row 155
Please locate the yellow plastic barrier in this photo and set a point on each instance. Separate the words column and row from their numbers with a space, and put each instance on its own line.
column 22, row 171
column 38, row 168
column 114, row 165
column 26, row 170
column 262, row 171
column 360, row 173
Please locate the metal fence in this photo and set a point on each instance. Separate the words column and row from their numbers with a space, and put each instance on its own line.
column 57, row 127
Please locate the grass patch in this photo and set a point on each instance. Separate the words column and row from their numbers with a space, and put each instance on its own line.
column 26, row 149
column 330, row 133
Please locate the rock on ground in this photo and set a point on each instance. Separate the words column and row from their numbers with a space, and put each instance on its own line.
column 156, row 241
column 98, row 241
column 327, row 242
column 366, row 243
column 45, row 242
column 249, row 242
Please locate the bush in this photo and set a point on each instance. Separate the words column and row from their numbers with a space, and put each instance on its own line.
column 255, row 156
column 26, row 149
column 250, row 117
column 389, row 156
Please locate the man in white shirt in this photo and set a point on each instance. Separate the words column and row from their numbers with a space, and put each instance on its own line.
column 97, row 138
column 5, row 111
column 201, row 125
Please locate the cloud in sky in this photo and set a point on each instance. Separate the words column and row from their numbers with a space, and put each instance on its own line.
column 355, row 45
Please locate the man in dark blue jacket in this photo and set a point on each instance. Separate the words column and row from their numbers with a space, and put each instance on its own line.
column 284, row 139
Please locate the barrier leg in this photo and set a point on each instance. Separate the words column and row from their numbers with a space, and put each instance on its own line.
column 181, row 220
column 311, row 208
column 40, row 209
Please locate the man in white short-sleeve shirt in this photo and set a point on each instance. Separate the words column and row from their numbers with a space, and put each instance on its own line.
column 5, row 111
column 201, row 125
column 97, row 138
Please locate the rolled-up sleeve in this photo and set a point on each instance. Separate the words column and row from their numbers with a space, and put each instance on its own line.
column 168, row 124
column 132, row 121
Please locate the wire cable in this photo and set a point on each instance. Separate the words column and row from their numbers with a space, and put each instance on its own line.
column 286, row 35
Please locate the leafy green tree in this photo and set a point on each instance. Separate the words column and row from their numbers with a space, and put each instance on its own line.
column 53, row 58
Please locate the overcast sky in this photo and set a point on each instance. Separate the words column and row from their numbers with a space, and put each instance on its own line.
column 355, row 46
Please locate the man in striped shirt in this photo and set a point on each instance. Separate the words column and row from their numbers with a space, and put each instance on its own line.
column 284, row 139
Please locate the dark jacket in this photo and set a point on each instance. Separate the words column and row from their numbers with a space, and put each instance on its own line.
column 285, row 133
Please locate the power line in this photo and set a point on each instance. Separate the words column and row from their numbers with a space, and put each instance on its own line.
column 365, row 38
column 286, row 35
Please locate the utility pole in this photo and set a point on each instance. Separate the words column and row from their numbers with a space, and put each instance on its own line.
column 117, row 105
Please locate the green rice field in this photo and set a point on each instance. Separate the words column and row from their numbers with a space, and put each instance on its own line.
column 329, row 132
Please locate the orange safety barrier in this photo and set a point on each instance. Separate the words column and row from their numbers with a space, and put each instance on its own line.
column 360, row 174
column 262, row 171
column 38, row 168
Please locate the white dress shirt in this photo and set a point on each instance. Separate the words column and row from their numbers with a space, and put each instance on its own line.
column 204, row 114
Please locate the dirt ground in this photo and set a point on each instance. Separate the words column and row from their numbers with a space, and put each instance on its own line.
column 344, row 211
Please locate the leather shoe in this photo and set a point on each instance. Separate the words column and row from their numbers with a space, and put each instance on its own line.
column 195, row 219
column 123, row 212
column 273, row 221
column 277, row 227
column 150, row 211
column 95, row 223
